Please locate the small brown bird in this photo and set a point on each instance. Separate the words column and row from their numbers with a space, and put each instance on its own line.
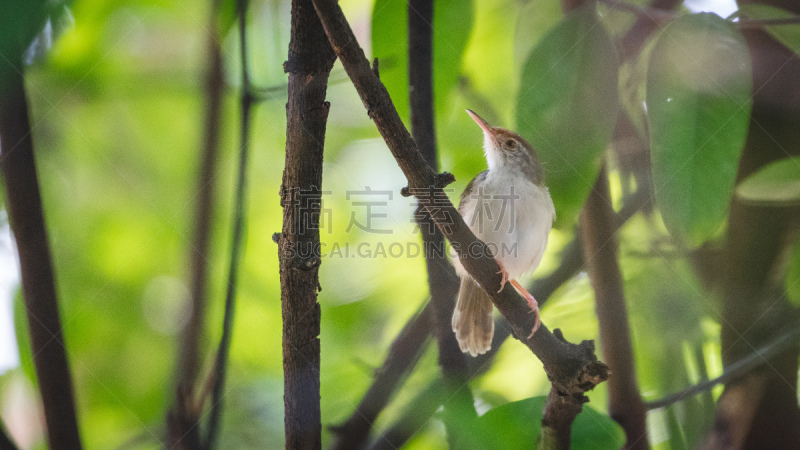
column 509, row 208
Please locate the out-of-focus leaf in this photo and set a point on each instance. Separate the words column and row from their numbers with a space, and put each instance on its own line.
column 788, row 35
column 452, row 22
column 777, row 183
column 227, row 14
column 568, row 106
column 517, row 425
column 698, row 102
column 20, row 22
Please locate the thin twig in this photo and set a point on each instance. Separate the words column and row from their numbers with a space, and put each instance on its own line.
column 750, row 24
column 402, row 357
column 658, row 15
column 25, row 215
column 663, row 16
column 417, row 412
column 182, row 419
column 734, row 371
column 221, row 363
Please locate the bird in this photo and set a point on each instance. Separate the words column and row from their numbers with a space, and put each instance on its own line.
column 508, row 207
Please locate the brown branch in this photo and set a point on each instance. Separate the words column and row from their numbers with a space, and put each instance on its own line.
column 185, row 413
column 600, row 253
column 442, row 279
column 309, row 64
column 24, row 207
column 220, row 369
column 757, row 358
column 402, row 357
column 418, row 411
column 573, row 369
column 647, row 21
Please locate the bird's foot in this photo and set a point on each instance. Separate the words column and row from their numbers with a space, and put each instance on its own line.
column 505, row 275
column 534, row 305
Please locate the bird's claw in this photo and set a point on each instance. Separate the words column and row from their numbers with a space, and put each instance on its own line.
column 502, row 271
column 532, row 303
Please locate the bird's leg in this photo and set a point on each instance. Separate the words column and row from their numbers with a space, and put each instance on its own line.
column 505, row 275
column 531, row 302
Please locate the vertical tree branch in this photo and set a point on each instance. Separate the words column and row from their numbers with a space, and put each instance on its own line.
column 600, row 253
column 442, row 280
column 24, row 206
column 221, row 362
column 309, row 63
column 182, row 420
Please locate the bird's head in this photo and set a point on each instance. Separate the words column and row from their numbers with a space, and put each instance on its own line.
column 504, row 148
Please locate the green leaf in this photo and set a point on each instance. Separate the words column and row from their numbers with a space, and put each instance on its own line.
column 517, row 425
column 775, row 184
column 788, row 35
column 452, row 22
column 568, row 106
column 698, row 103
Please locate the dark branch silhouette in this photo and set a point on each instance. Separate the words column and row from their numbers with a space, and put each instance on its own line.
column 5, row 441
column 402, row 357
column 221, row 362
column 308, row 65
column 183, row 418
column 600, row 253
column 442, row 279
column 24, row 207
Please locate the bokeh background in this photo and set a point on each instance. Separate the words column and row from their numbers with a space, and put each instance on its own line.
column 117, row 115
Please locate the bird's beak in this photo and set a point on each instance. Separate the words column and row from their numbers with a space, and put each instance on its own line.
column 481, row 123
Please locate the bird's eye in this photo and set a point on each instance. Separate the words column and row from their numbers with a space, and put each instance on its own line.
column 511, row 143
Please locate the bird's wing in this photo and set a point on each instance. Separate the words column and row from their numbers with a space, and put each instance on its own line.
column 471, row 188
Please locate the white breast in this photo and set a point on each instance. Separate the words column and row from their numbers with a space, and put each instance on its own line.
column 513, row 217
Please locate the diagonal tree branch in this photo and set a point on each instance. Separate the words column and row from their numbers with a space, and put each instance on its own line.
column 309, row 64
column 402, row 357
column 573, row 369
column 757, row 358
column 25, row 215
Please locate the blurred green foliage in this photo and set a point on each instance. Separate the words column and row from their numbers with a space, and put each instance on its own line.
column 117, row 113
column 698, row 105
column 568, row 106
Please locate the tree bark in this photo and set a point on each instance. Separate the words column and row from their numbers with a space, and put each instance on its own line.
column 24, row 206
column 600, row 253
column 309, row 63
